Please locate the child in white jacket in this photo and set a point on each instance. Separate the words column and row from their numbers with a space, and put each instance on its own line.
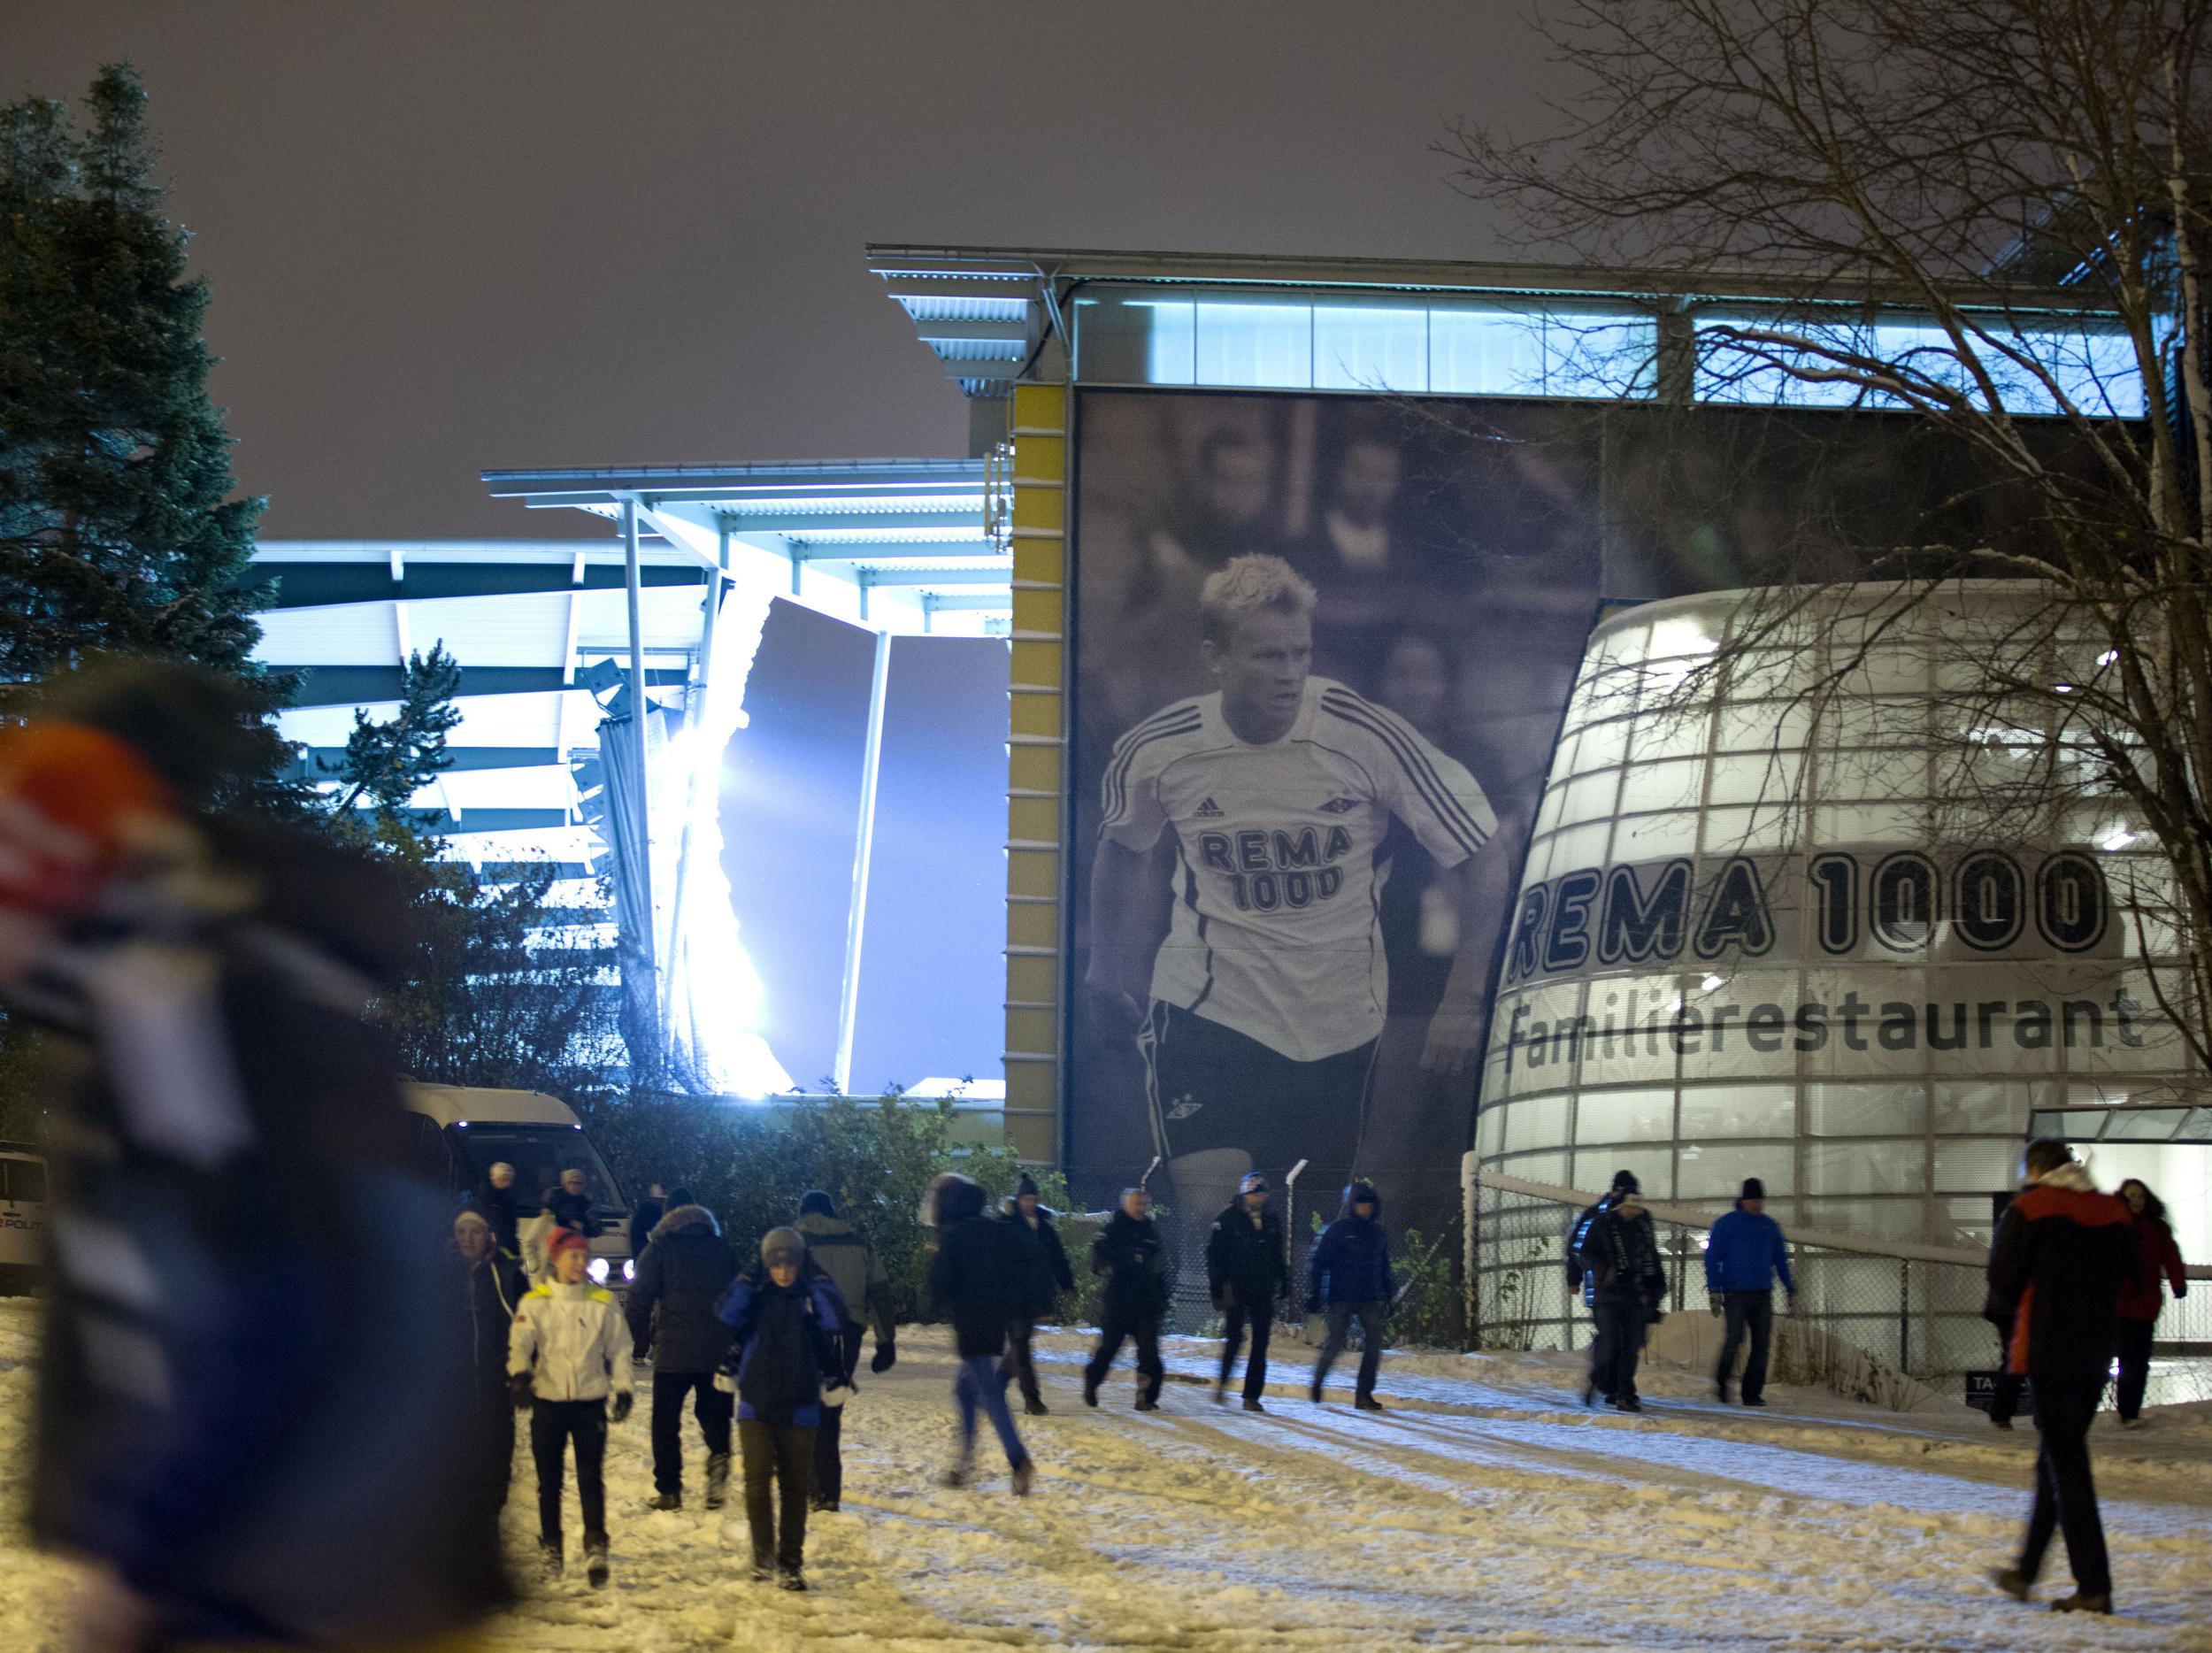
column 568, row 1353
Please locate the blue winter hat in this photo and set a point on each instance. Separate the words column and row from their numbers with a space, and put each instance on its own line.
column 1253, row 1183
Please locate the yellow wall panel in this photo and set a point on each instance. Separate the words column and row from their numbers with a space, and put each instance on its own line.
column 1039, row 508
column 1033, row 714
column 1037, row 611
column 1033, row 873
column 1039, row 459
column 1037, row 663
column 1034, row 980
column 1031, row 1030
column 1031, row 924
column 1034, row 820
column 1033, row 768
column 1040, row 559
column 1041, row 407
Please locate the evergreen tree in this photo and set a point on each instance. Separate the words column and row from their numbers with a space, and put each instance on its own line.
column 386, row 763
column 118, row 530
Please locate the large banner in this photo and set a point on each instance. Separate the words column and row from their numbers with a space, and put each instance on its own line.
column 1322, row 650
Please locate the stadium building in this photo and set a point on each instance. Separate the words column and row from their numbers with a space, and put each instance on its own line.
column 1502, row 503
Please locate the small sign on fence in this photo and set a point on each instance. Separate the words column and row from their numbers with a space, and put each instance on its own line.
column 1981, row 1392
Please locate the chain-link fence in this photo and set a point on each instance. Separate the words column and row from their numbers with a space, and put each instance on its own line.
column 1884, row 1321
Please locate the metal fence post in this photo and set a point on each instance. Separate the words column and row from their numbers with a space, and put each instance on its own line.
column 1904, row 1315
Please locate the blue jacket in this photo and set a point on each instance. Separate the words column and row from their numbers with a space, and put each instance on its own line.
column 1351, row 1259
column 782, row 1339
column 1745, row 1254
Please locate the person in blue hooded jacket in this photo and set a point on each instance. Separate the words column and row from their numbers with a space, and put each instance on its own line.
column 1745, row 1252
column 1349, row 1275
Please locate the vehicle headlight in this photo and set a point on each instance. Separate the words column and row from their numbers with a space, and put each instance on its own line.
column 597, row 1270
column 629, row 1268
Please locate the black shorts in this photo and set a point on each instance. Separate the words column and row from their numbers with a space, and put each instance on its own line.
column 1212, row 1086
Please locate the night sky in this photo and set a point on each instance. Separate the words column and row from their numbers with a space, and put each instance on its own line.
column 449, row 234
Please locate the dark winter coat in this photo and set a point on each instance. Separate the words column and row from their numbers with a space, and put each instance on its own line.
column 1245, row 1259
column 2140, row 1298
column 783, row 1335
column 2061, row 1253
column 496, row 1206
column 682, row 1279
column 1058, row 1278
column 1620, row 1257
column 982, row 1276
column 573, row 1211
column 835, row 1247
column 646, row 1217
column 1745, row 1252
column 1351, row 1259
column 1132, row 1257
column 489, row 1292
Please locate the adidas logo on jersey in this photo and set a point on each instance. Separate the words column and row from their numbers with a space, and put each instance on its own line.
column 1209, row 810
column 1340, row 806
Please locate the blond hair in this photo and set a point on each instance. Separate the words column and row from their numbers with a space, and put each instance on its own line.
column 1250, row 584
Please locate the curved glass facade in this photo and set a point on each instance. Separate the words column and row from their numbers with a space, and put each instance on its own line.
column 1806, row 901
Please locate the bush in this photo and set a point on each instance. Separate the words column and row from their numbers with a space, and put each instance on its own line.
column 750, row 1164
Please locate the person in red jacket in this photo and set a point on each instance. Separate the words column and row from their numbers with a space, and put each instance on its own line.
column 2056, row 1268
column 2140, row 1298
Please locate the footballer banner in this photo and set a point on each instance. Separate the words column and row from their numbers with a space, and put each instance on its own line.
column 1321, row 646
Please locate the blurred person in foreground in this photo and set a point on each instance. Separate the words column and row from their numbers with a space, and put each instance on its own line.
column 239, row 1389
column 1745, row 1253
column 980, row 1278
column 2061, row 1253
column 783, row 1314
column 673, row 1308
column 2142, row 1298
column 1350, row 1272
column 1049, row 1276
column 835, row 1247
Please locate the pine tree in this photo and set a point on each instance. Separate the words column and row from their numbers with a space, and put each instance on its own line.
column 386, row 763
column 118, row 530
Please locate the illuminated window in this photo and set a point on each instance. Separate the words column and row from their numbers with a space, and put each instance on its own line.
column 1370, row 348
column 1255, row 344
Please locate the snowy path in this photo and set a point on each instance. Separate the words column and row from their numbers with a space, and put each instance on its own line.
column 1484, row 1509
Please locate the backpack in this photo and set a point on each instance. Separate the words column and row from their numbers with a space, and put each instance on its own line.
column 1578, row 1237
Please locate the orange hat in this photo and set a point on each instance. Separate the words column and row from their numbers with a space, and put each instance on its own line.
column 564, row 1240
column 71, row 797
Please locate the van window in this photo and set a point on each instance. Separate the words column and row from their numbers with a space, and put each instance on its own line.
column 424, row 1147
column 539, row 1153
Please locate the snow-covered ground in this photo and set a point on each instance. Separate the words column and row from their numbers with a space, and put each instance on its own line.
column 1484, row 1508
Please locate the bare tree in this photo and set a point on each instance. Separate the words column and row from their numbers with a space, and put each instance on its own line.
column 1991, row 216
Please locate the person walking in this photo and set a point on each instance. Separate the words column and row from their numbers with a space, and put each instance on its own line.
column 1248, row 1271
column 836, row 1248
column 571, row 1206
column 1350, row 1276
column 782, row 1315
column 568, row 1359
column 490, row 1290
column 1744, row 1255
column 1623, row 1284
column 2141, row 1297
column 647, row 1215
column 978, row 1279
column 1050, row 1276
column 1132, row 1255
column 495, row 1198
column 2061, row 1253
column 682, row 1277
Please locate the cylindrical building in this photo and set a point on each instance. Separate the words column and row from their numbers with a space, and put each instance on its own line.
column 1808, row 899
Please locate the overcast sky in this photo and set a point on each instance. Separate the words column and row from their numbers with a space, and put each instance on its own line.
column 447, row 234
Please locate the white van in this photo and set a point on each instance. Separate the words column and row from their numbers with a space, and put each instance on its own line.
column 459, row 1134
column 22, row 1218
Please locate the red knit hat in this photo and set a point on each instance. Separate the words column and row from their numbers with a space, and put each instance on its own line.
column 71, row 799
column 564, row 1240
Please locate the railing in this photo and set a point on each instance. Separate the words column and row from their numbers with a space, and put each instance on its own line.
column 1879, row 1320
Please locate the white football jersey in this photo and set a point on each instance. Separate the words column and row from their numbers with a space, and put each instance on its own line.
column 1278, row 873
